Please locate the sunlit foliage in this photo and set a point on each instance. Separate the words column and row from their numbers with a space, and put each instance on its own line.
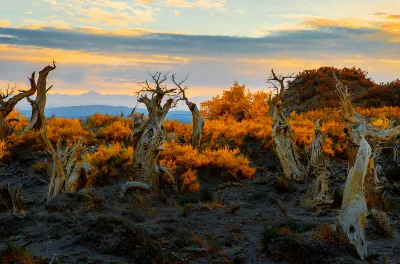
column 108, row 160
column 186, row 161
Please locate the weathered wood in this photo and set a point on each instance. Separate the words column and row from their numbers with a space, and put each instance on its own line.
column 197, row 120
column 7, row 104
column 133, row 185
column 354, row 207
column 69, row 172
column 150, row 134
column 283, row 137
column 318, row 167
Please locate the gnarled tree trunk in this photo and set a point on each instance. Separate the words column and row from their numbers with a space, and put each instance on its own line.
column 354, row 207
column 319, row 168
column 39, row 104
column 197, row 120
column 7, row 104
column 151, row 134
column 69, row 173
column 283, row 137
column 197, row 126
column 146, row 155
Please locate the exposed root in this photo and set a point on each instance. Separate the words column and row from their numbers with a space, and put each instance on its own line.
column 133, row 185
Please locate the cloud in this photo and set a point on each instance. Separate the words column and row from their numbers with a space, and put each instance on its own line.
column 5, row 23
column 44, row 55
column 29, row 12
column 196, row 3
column 324, row 39
column 177, row 13
column 105, row 12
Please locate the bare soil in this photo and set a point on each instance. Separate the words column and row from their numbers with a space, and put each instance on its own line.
column 99, row 226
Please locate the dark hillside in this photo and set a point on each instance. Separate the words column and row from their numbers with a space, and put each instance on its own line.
column 315, row 89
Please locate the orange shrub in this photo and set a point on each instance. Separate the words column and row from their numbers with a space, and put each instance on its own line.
column 17, row 125
column 108, row 159
column 180, row 129
column 67, row 129
column 189, row 181
column 3, row 149
column 100, row 120
column 234, row 102
column 116, row 131
column 230, row 161
column 183, row 160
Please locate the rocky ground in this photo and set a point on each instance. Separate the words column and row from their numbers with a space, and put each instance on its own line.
column 100, row 226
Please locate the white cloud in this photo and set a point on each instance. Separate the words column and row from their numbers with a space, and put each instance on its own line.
column 197, row 3
column 106, row 12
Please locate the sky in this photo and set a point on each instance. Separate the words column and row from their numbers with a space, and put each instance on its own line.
column 108, row 46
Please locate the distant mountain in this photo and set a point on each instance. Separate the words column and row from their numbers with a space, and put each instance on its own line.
column 93, row 98
column 83, row 111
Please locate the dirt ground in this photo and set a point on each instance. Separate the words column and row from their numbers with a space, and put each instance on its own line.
column 99, row 226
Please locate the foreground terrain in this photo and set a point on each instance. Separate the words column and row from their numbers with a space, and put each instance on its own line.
column 99, row 226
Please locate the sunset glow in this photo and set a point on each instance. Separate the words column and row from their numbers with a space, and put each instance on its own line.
column 107, row 46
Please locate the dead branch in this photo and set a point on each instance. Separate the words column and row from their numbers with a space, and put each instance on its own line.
column 133, row 185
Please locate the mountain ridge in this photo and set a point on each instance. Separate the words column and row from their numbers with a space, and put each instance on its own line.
column 81, row 111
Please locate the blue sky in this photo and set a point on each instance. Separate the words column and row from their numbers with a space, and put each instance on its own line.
column 106, row 45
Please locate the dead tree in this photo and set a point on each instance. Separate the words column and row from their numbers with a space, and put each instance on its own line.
column 282, row 133
column 197, row 120
column 39, row 104
column 69, row 172
column 8, row 100
column 354, row 208
column 152, row 136
column 319, row 167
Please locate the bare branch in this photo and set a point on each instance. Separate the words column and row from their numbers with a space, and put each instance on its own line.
column 274, row 80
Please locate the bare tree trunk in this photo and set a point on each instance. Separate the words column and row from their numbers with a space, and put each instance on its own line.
column 319, row 168
column 151, row 134
column 3, row 128
column 198, row 124
column 283, row 135
column 69, row 173
column 371, row 178
column 285, row 147
column 197, row 120
column 39, row 104
column 146, row 155
column 354, row 208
